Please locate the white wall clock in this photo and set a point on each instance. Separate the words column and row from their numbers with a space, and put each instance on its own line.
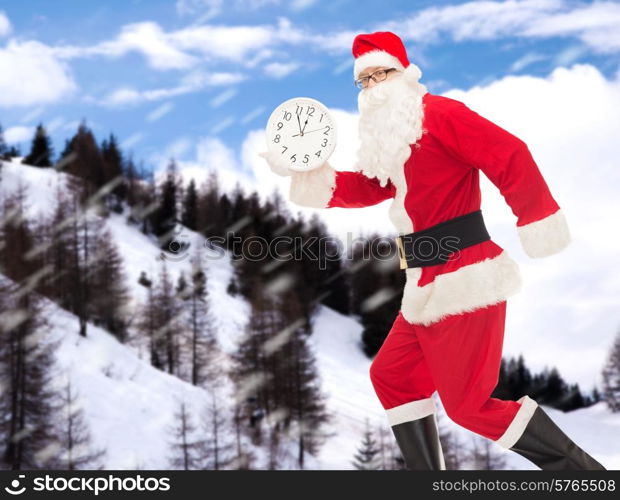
column 302, row 132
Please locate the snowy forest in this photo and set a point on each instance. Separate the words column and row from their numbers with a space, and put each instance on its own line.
column 132, row 325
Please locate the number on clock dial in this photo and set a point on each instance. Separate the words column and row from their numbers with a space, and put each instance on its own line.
column 302, row 133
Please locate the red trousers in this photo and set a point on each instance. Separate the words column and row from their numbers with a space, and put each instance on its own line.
column 459, row 357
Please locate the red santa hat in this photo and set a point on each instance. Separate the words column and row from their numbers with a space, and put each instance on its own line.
column 382, row 48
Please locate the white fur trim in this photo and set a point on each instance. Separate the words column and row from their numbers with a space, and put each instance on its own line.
column 519, row 422
column 397, row 213
column 546, row 236
column 375, row 58
column 470, row 287
column 313, row 188
column 412, row 72
column 413, row 410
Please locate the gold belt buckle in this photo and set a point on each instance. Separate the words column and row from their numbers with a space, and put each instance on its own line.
column 401, row 253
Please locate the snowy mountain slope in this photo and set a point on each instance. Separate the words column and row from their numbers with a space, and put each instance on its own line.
column 131, row 407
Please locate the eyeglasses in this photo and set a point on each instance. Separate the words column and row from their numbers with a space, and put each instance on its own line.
column 377, row 76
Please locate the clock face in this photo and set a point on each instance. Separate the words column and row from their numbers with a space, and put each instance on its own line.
column 302, row 132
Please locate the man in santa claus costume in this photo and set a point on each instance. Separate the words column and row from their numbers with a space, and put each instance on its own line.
column 426, row 152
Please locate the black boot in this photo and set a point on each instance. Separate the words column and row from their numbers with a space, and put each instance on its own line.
column 419, row 444
column 544, row 444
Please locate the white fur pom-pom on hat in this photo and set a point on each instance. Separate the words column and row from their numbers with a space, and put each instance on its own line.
column 412, row 73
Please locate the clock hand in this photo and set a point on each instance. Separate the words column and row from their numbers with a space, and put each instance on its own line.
column 299, row 123
column 310, row 131
column 302, row 130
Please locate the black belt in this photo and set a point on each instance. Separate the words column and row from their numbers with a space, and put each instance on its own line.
column 433, row 245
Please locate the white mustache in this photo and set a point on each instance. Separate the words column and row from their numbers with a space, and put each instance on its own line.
column 372, row 98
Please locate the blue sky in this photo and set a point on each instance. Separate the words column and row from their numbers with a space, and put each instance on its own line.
column 162, row 74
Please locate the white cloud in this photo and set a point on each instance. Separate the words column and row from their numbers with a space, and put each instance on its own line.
column 526, row 60
column 569, row 55
column 222, row 124
column 280, row 70
column 132, row 139
column 225, row 96
column 160, row 111
column 33, row 114
column 253, row 114
column 18, row 133
column 192, row 82
column 299, row 5
column 184, row 48
column 146, row 38
column 207, row 9
column 5, row 25
column 32, row 75
column 596, row 24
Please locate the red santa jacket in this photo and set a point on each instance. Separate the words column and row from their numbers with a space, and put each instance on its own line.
column 439, row 181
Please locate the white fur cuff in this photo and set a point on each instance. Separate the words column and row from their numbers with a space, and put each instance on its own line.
column 413, row 410
column 519, row 423
column 313, row 188
column 546, row 236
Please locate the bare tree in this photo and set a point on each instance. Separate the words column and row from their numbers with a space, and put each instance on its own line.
column 188, row 449
column 74, row 435
column 217, row 429
column 611, row 377
column 483, row 456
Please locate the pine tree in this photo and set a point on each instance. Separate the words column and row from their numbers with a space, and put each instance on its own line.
column 4, row 149
column 304, row 401
column 75, row 439
column 113, row 171
column 203, row 343
column 164, row 219
column 166, row 320
column 83, row 160
column 611, row 377
column 188, row 448
column 147, row 323
column 211, row 216
column 190, row 207
column 81, row 248
column 110, row 294
column 367, row 457
column 14, row 152
column 28, row 404
column 376, row 289
column 131, row 180
column 41, row 150
column 55, row 235
column 325, row 275
column 250, row 371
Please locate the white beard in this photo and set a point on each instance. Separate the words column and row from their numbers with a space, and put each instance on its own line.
column 391, row 116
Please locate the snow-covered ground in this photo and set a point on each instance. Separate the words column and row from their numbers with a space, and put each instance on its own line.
column 130, row 405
